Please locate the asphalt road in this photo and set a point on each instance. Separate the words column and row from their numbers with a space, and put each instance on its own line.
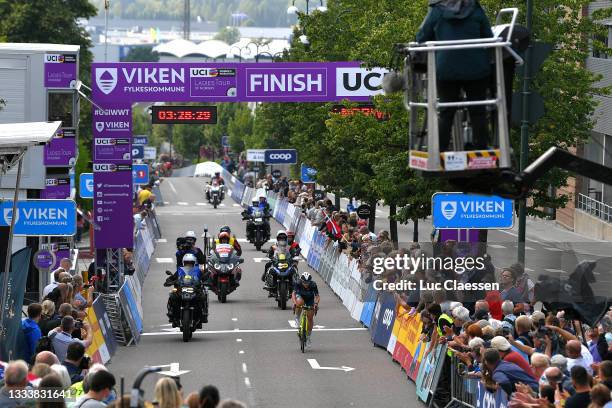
column 249, row 349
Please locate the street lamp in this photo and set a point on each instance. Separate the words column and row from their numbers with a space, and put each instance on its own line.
column 272, row 56
column 258, row 44
column 293, row 10
column 240, row 49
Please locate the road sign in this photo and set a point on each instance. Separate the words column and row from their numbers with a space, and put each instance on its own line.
column 280, row 156
column 137, row 152
column 41, row 217
column 225, row 141
column 256, row 155
column 86, row 185
column 140, row 140
column 364, row 211
column 140, row 173
column 308, row 174
column 471, row 211
column 150, row 152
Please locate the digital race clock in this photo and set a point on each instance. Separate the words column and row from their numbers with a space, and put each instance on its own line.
column 196, row 115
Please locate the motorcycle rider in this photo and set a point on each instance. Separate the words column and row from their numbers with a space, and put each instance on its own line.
column 187, row 246
column 225, row 237
column 294, row 247
column 257, row 205
column 189, row 268
column 281, row 246
column 232, row 240
column 306, row 293
column 219, row 180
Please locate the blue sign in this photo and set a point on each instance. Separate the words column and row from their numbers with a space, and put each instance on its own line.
column 308, row 174
column 140, row 140
column 383, row 319
column 225, row 141
column 471, row 211
column 86, row 185
column 488, row 399
column 140, row 173
column 280, row 156
column 137, row 152
column 41, row 217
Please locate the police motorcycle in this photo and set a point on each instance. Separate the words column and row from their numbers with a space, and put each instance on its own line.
column 259, row 230
column 223, row 264
column 188, row 301
column 215, row 193
column 281, row 275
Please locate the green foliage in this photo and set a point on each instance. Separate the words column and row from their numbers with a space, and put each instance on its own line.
column 142, row 54
column 230, row 35
column 240, row 124
column 261, row 13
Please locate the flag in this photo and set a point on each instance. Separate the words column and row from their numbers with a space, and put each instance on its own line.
column 333, row 229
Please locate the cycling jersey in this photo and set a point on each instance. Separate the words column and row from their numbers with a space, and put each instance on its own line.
column 308, row 294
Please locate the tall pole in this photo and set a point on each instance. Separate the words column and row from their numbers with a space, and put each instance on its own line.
column 9, row 250
column 526, row 94
column 106, row 6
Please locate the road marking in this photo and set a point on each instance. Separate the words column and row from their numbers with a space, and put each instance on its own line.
column 168, row 332
column 528, row 270
column 247, row 382
column 162, row 240
column 236, row 205
column 221, row 205
column 242, row 240
column 293, row 324
column 201, row 204
column 166, row 202
column 164, row 260
column 234, row 319
column 529, row 248
column 241, row 352
column 553, row 249
column 315, row 366
column 553, row 270
column 497, row 246
column 182, row 203
column 259, row 260
column 244, row 368
column 238, row 340
column 172, row 187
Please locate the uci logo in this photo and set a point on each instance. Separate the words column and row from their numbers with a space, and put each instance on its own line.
column 359, row 81
column 51, row 182
column 105, row 142
column 54, row 58
column 281, row 156
column 104, row 167
column 387, row 317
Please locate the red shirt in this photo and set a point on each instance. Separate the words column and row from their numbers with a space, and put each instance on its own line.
column 516, row 358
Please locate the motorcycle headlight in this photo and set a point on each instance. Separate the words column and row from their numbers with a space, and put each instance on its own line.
column 217, row 266
column 230, row 266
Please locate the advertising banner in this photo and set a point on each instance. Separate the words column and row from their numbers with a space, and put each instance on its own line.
column 234, row 82
column 150, row 152
column 256, row 155
column 60, row 70
column 97, row 350
column 128, row 306
column 280, row 156
column 56, row 188
column 409, row 337
column 86, row 185
column 308, row 174
column 429, row 372
column 113, row 205
column 41, row 217
column 384, row 317
column 113, row 121
column 61, row 151
column 488, row 399
column 471, row 211
column 140, row 173
column 60, row 250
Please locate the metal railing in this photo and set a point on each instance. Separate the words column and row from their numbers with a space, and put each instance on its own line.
column 595, row 208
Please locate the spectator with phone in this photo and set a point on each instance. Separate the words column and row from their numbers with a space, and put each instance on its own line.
column 81, row 302
column 62, row 336
column 76, row 362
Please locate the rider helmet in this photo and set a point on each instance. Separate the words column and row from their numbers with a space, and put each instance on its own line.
column 225, row 228
column 224, row 238
column 281, row 237
column 191, row 236
column 189, row 261
column 262, row 198
column 255, row 202
column 306, row 277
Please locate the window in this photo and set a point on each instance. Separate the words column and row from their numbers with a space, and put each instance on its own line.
column 60, row 107
column 605, row 39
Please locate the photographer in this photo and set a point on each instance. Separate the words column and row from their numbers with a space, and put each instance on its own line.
column 62, row 337
column 186, row 245
column 76, row 362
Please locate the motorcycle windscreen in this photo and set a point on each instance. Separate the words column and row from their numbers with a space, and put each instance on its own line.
column 224, row 251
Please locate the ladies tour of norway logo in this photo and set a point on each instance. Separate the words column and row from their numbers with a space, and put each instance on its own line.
column 106, row 78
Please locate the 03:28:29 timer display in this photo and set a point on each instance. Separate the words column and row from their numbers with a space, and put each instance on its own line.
column 197, row 115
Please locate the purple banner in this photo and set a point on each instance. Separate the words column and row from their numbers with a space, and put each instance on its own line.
column 114, row 121
column 61, row 251
column 44, row 259
column 113, row 205
column 61, row 150
column 119, row 83
column 60, row 70
column 56, row 189
column 116, row 150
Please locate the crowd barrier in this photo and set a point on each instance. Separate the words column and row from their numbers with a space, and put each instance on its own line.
column 391, row 326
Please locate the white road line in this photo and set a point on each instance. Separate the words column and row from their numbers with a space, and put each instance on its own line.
column 172, row 187
column 244, row 368
column 259, row 260
column 234, row 319
column 553, row 249
column 162, row 240
column 235, row 331
column 166, row 202
column 553, row 270
column 238, row 340
column 182, row 203
column 241, row 239
column 515, row 235
column 164, row 260
column 241, row 352
column 529, row 248
column 236, row 205
column 496, row 246
column 528, row 270
column 247, row 382
column 221, row 205
column 293, row 324
column 201, row 204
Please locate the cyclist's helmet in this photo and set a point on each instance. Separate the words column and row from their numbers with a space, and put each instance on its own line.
column 225, row 228
column 255, row 202
column 191, row 236
column 306, row 277
column 224, row 238
column 189, row 259
column 290, row 236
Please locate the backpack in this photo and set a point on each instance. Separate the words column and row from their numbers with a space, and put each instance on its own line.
column 45, row 343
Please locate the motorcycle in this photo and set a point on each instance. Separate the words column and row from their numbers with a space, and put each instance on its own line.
column 222, row 264
column 215, row 194
column 259, row 235
column 190, row 317
column 281, row 277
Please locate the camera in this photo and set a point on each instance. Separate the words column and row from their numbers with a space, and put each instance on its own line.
column 78, row 324
column 85, row 362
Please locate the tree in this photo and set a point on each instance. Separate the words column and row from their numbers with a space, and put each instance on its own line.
column 239, row 126
column 141, row 54
column 230, row 35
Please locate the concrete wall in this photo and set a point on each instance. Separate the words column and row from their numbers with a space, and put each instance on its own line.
column 592, row 227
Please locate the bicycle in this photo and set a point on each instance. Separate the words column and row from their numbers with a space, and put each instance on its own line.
column 303, row 327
